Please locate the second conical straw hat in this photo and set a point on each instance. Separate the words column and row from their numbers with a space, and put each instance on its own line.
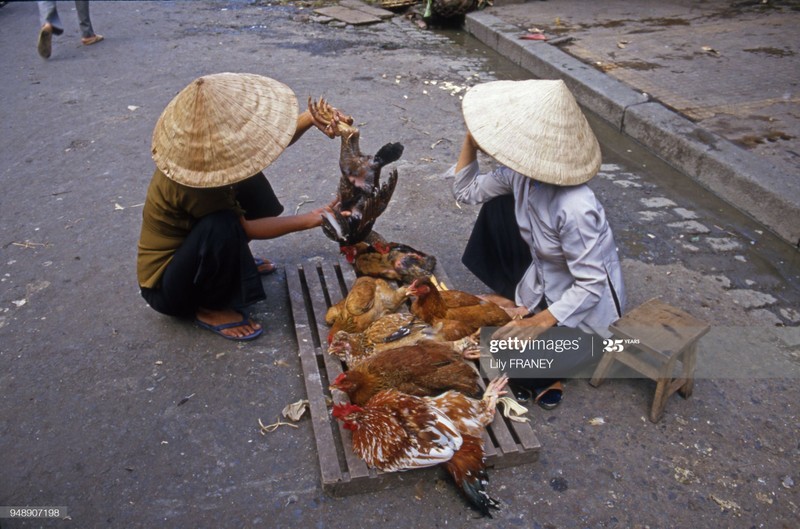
column 224, row 128
column 534, row 127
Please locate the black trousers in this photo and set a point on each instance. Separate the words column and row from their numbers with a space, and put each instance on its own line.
column 214, row 267
column 495, row 252
column 499, row 257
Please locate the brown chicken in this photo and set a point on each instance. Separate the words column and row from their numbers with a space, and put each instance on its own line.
column 423, row 369
column 368, row 299
column 387, row 332
column 360, row 192
column 460, row 313
column 392, row 260
column 391, row 331
column 395, row 431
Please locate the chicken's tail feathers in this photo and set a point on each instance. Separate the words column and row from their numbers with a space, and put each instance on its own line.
column 391, row 152
column 468, row 469
column 374, row 206
column 387, row 190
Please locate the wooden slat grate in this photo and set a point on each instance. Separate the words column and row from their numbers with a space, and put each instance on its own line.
column 313, row 288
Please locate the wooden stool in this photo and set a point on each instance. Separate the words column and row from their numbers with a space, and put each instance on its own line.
column 650, row 339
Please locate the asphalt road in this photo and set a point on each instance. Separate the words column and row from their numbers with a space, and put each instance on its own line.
column 94, row 384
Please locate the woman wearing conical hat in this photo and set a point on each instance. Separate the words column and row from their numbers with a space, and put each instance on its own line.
column 541, row 241
column 208, row 198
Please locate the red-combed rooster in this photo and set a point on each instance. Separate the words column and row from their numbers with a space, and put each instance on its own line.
column 389, row 260
column 424, row 369
column 460, row 313
column 395, row 431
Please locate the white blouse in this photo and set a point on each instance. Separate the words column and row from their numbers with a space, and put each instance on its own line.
column 575, row 260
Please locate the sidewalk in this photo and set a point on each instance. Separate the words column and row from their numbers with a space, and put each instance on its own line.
column 710, row 88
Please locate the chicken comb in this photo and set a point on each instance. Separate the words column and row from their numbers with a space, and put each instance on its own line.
column 340, row 411
column 339, row 379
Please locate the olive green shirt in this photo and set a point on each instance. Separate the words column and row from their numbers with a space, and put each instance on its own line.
column 170, row 212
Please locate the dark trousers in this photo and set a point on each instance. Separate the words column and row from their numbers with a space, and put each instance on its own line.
column 495, row 252
column 214, row 267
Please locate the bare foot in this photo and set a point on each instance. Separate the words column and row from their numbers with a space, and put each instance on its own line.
column 215, row 318
column 264, row 266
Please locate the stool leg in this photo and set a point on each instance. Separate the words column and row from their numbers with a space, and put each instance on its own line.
column 689, row 364
column 602, row 368
column 659, row 400
column 663, row 389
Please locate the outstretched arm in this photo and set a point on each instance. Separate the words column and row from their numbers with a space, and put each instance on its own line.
column 304, row 122
column 271, row 227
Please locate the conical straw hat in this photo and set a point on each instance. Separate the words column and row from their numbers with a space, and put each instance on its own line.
column 224, row 128
column 534, row 127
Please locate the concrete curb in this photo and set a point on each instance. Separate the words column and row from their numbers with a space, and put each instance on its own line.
column 744, row 180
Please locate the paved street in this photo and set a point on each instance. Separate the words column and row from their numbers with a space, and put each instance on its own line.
column 132, row 419
column 709, row 87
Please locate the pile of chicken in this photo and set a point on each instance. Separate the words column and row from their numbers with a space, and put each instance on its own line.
column 414, row 393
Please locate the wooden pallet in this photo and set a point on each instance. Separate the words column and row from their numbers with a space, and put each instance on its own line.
column 313, row 287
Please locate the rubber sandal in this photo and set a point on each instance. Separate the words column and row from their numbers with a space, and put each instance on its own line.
column 45, row 44
column 520, row 393
column 217, row 329
column 88, row 41
column 265, row 262
column 550, row 397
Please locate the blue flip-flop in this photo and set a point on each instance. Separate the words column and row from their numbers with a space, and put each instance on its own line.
column 522, row 394
column 217, row 329
column 550, row 397
column 261, row 262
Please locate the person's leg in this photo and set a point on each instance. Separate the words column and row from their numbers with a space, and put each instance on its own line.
column 88, row 35
column 211, row 276
column 82, row 7
column 495, row 252
column 562, row 365
column 48, row 14
column 50, row 24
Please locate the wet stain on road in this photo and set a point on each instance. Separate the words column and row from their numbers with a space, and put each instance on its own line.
column 772, row 52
